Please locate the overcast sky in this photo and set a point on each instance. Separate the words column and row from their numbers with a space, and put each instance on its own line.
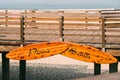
column 49, row 4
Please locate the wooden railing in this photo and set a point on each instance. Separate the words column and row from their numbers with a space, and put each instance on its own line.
column 94, row 28
column 98, row 28
column 40, row 25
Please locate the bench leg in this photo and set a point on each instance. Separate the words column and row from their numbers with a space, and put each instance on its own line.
column 113, row 67
column 5, row 67
column 97, row 69
column 22, row 70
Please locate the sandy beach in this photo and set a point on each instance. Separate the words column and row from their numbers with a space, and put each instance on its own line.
column 40, row 71
column 112, row 76
column 55, row 68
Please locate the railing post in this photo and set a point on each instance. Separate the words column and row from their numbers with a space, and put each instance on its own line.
column 97, row 67
column 5, row 67
column 33, row 18
column 22, row 30
column 61, row 28
column 103, row 35
column 25, row 18
column 6, row 17
column 112, row 67
column 22, row 69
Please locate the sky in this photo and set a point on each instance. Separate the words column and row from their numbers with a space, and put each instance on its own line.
column 59, row 4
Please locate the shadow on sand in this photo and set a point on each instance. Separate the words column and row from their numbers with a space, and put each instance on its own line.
column 49, row 71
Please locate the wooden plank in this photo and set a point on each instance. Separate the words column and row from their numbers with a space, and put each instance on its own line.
column 10, row 23
column 42, row 34
column 7, row 48
column 84, row 29
column 113, row 35
column 42, row 30
column 113, row 29
column 10, row 18
column 111, row 16
column 9, row 14
column 112, row 25
column 81, row 35
column 81, row 15
column 2, row 13
column 74, row 14
column 112, row 19
column 48, row 23
column 10, row 42
column 9, row 28
column 81, row 11
column 82, row 19
column 50, row 14
column 66, row 24
column 42, row 18
column 111, row 11
column 42, row 23
column 9, row 32
column 82, row 24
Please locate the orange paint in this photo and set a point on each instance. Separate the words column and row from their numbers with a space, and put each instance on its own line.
column 72, row 50
column 88, row 54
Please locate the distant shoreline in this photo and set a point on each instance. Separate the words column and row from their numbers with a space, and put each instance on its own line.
column 59, row 9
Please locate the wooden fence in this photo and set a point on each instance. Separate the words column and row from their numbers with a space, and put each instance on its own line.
column 98, row 28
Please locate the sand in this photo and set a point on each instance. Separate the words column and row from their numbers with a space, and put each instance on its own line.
column 43, row 71
column 111, row 76
column 55, row 68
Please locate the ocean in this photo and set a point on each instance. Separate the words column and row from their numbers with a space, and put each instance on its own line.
column 62, row 4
